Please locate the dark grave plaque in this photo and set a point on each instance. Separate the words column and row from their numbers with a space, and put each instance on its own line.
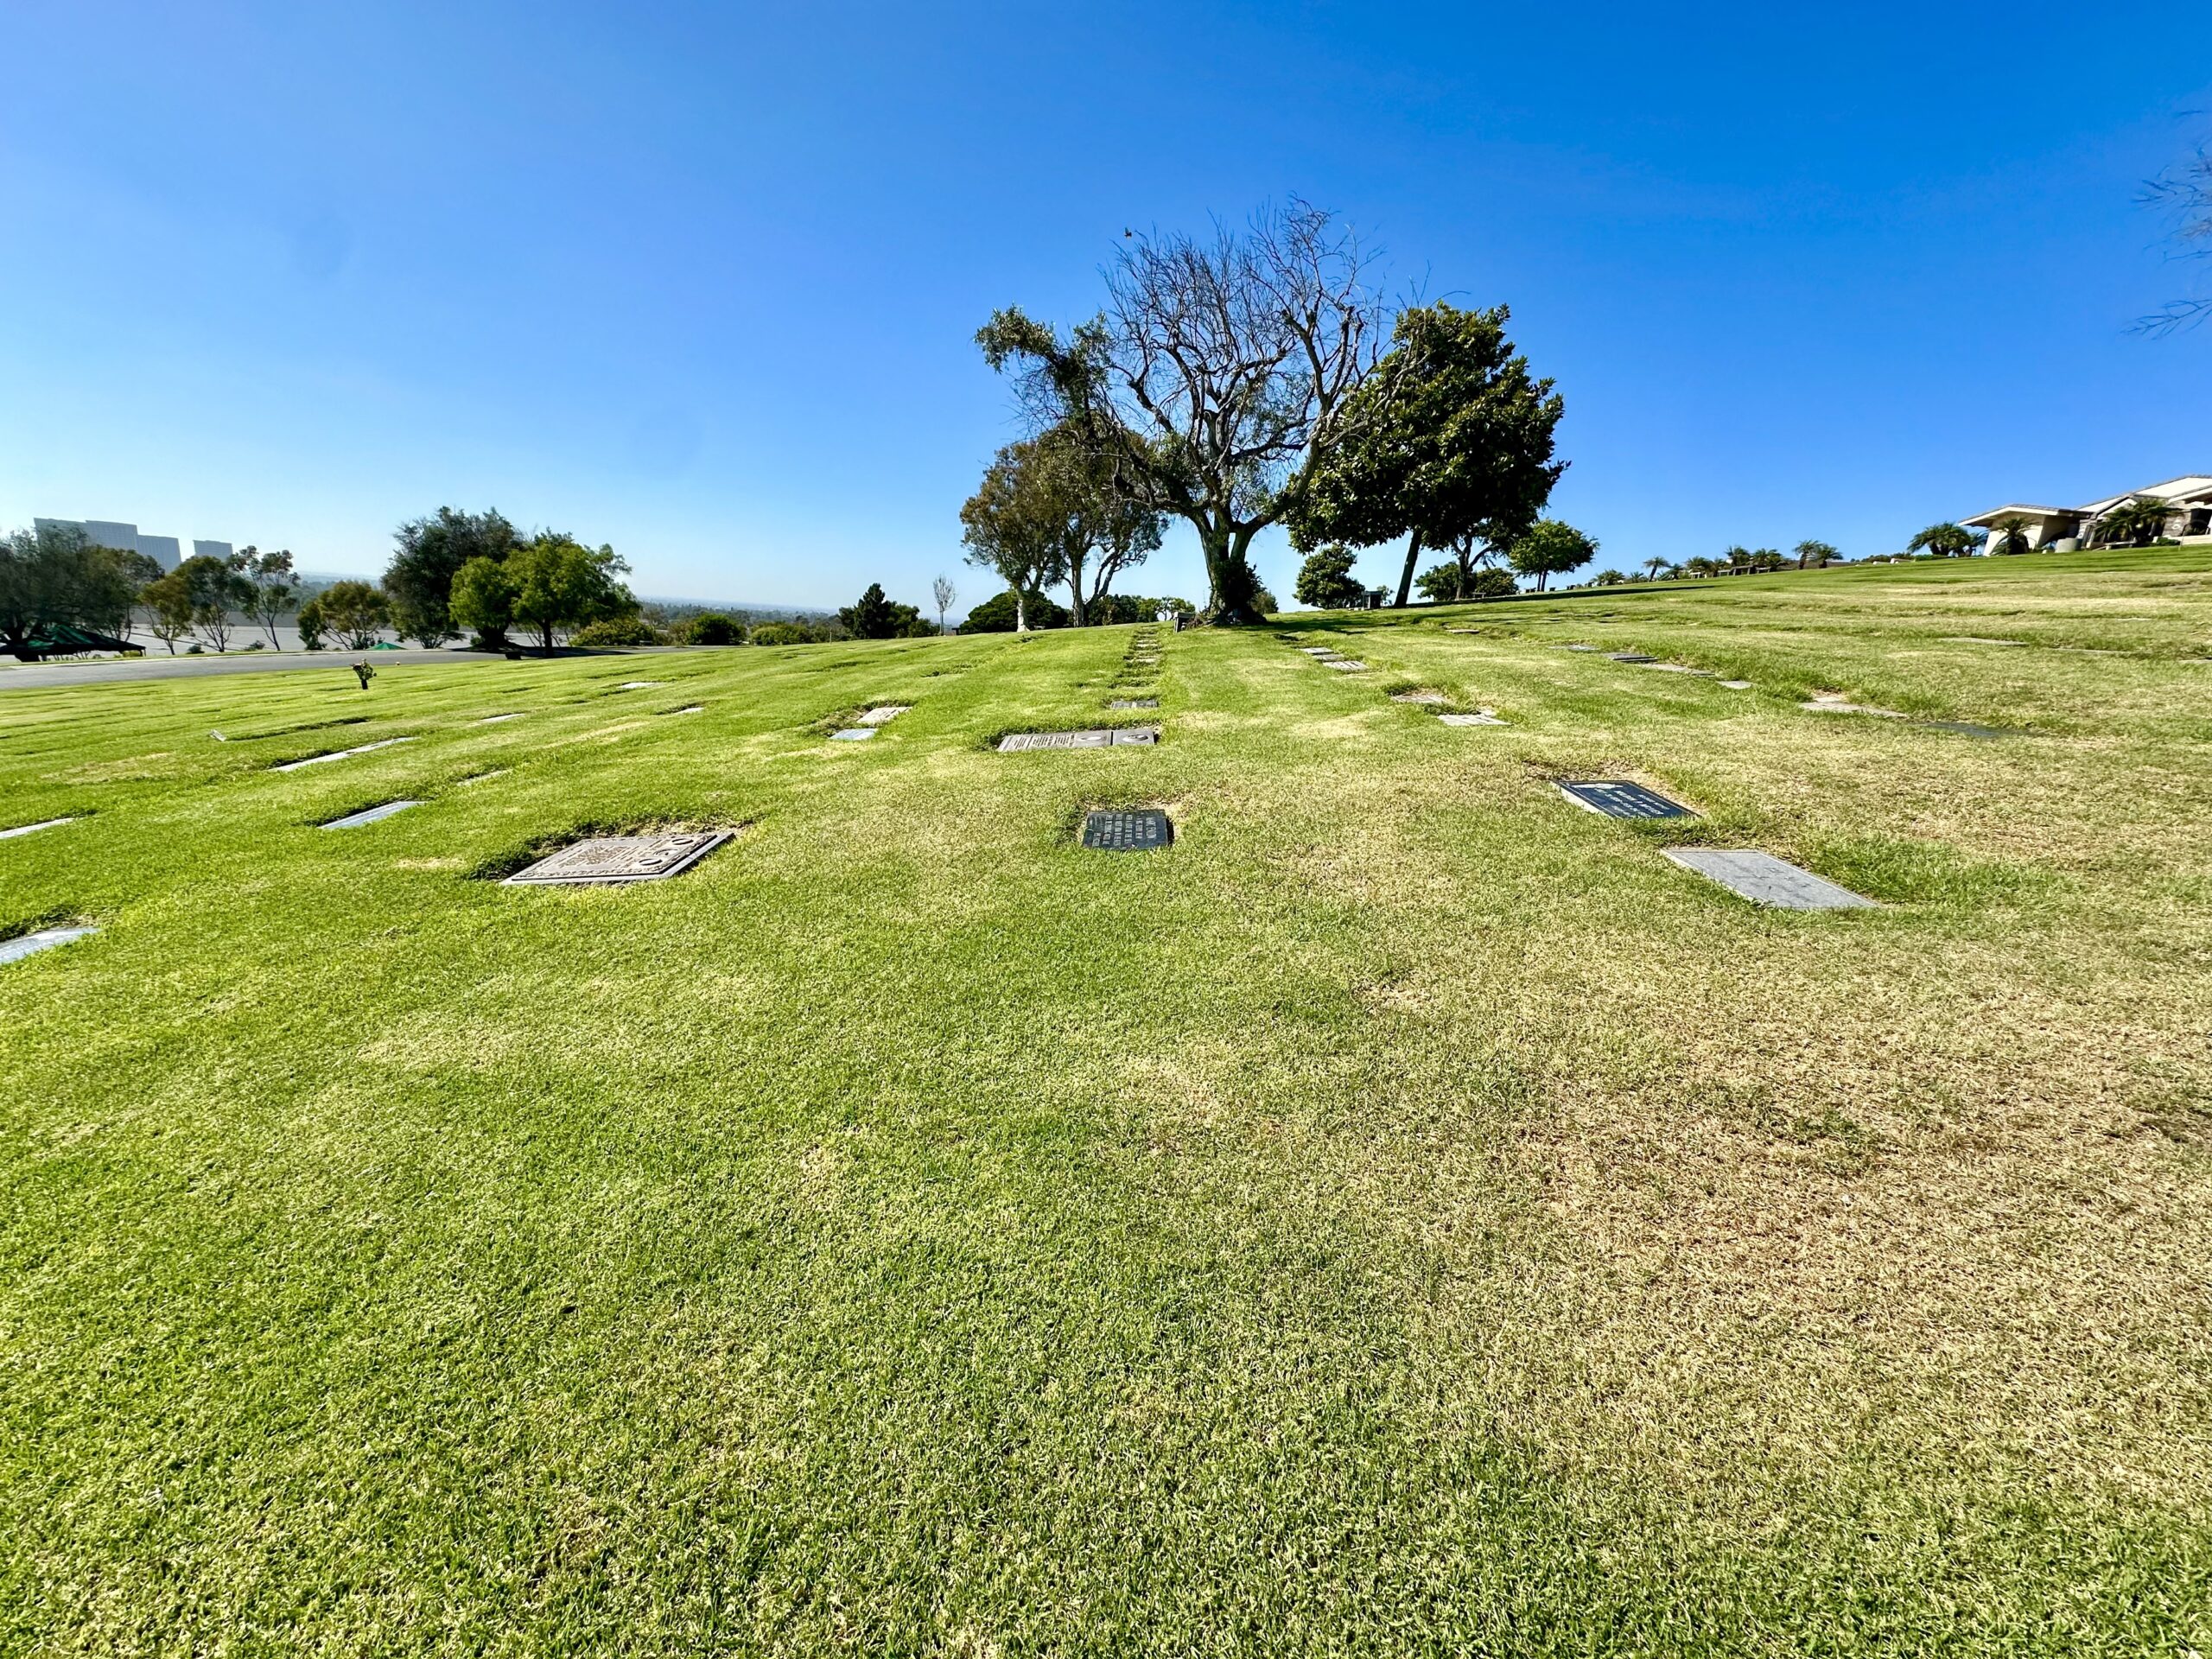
column 1615, row 797
column 1125, row 736
column 46, row 938
column 1631, row 657
column 1118, row 831
column 370, row 815
column 605, row 858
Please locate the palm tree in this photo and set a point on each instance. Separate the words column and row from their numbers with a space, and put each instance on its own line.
column 1812, row 554
column 1654, row 568
column 1701, row 567
column 2009, row 534
column 2138, row 522
column 1945, row 540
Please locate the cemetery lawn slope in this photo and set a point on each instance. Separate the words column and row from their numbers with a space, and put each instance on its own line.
column 1406, row 1214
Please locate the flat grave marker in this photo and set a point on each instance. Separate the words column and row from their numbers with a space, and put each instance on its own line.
column 1346, row 665
column 612, row 860
column 639, row 685
column 342, row 754
column 1737, row 685
column 689, row 709
column 1675, row 668
column 30, row 828
column 46, row 938
column 1967, row 728
column 370, row 815
column 493, row 719
column 1142, row 829
column 1318, row 651
column 1096, row 737
column 1765, row 880
column 853, row 734
column 1617, row 798
column 1418, row 697
column 1485, row 718
column 1134, row 702
column 888, row 711
column 1834, row 703
column 1631, row 657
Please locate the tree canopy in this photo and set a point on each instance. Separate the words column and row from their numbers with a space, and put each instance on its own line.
column 1326, row 581
column 553, row 585
column 1449, row 442
column 1015, row 524
column 1946, row 541
column 1215, row 381
column 429, row 553
column 1550, row 548
column 876, row 616
column 52, row 577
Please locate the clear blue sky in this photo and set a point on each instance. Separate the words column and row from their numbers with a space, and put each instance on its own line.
column 701, row 280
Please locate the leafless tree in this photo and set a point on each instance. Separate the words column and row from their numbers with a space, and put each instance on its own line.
column 2184, row 196
column 945, row 595
column 1216, row 379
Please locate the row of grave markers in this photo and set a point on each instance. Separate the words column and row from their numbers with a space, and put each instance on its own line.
column 1760, row 877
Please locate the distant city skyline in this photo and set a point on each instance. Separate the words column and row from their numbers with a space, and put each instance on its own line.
column 717, row 307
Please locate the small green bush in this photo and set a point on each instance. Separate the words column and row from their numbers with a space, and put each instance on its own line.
column 711, row 628
column 617, row 631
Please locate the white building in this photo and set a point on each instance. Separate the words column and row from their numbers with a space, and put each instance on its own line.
column 109, row 532
column 2189, row 514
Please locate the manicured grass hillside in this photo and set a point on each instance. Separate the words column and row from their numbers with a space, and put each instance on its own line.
column 1406, row 1215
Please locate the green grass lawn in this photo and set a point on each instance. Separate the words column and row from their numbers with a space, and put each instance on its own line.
column 1407, row 1215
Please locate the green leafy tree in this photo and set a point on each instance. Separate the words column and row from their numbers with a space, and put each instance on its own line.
column 1215, row 381
column 1002, row 613
column 429, row 553
column 1945, row 540
column 218, row 586
column 1449, row 583
column 1812, row 555
column 356, row 613
column 167, row 600
column 785, row 633
column 311, row 623
column 560, row 585
column 1324, row 581
column 482, row 598
column 873, row 617
column 1015, row 523
column 712, row 628
column 53, row 577
column 1608, row 579
column 1551, row 548
column 1449, row 443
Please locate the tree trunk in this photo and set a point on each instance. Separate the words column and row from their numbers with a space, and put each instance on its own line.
column 1075, row 590
column 1229, row 570
column 1406, row 576
column 1020, row 612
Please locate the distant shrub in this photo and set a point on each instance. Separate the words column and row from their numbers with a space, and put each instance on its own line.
column 617, row 631
column 711, row 628
column 253, row 645
column 783, row 633
column 995, row 614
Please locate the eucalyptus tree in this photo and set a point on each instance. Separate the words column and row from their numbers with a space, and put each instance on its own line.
column 270, row 587
column 1449, row 443
column 427, row 555
column 946, row 595
column 1217, row 380
column 1014, row 525
column 2184, row 194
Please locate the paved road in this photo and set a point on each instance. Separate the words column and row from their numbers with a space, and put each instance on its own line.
column 17, row 677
